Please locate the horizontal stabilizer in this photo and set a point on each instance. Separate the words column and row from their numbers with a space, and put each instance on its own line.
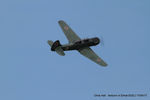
column 60, row 51
column 50, row 42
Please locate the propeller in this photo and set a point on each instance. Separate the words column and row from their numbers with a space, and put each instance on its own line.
column 101, row 41
column 97, row 35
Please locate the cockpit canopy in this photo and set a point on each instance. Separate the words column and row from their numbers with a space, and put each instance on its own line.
column 89, row 40
column 78, row 42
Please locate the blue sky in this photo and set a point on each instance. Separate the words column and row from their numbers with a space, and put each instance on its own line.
column 30, row 71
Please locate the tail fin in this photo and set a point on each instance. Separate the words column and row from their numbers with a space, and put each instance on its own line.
column 56, row 46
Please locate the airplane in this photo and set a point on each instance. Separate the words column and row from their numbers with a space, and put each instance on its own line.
column 75, row 43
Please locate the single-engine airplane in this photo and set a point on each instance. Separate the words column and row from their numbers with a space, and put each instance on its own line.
column 75, row 43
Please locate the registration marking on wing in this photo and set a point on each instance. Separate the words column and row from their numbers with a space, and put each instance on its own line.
column 98, row 59
column 66, row 28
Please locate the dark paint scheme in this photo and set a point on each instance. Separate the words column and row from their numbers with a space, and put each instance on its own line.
column 77, row 44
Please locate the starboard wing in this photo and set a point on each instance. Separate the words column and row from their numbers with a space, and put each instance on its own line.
column 69, row 33
column 89, row 53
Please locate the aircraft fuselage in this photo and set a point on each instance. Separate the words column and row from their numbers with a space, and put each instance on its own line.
column 77, row 44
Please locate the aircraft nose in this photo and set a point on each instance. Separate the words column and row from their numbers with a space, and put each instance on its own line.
column 97, row 40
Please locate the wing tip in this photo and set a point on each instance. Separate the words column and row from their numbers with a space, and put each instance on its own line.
column 104, row 65
column 60, row 21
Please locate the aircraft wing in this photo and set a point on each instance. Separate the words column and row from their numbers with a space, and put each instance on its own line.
column 89, row 53
column 69, row 33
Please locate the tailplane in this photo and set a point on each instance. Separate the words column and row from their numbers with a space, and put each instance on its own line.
column 50, row 42
column 56, row 46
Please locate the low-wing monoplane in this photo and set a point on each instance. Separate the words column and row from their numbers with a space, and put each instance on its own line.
column 75, row 43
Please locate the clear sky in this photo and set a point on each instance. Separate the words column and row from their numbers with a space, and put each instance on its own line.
column 30, row 71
